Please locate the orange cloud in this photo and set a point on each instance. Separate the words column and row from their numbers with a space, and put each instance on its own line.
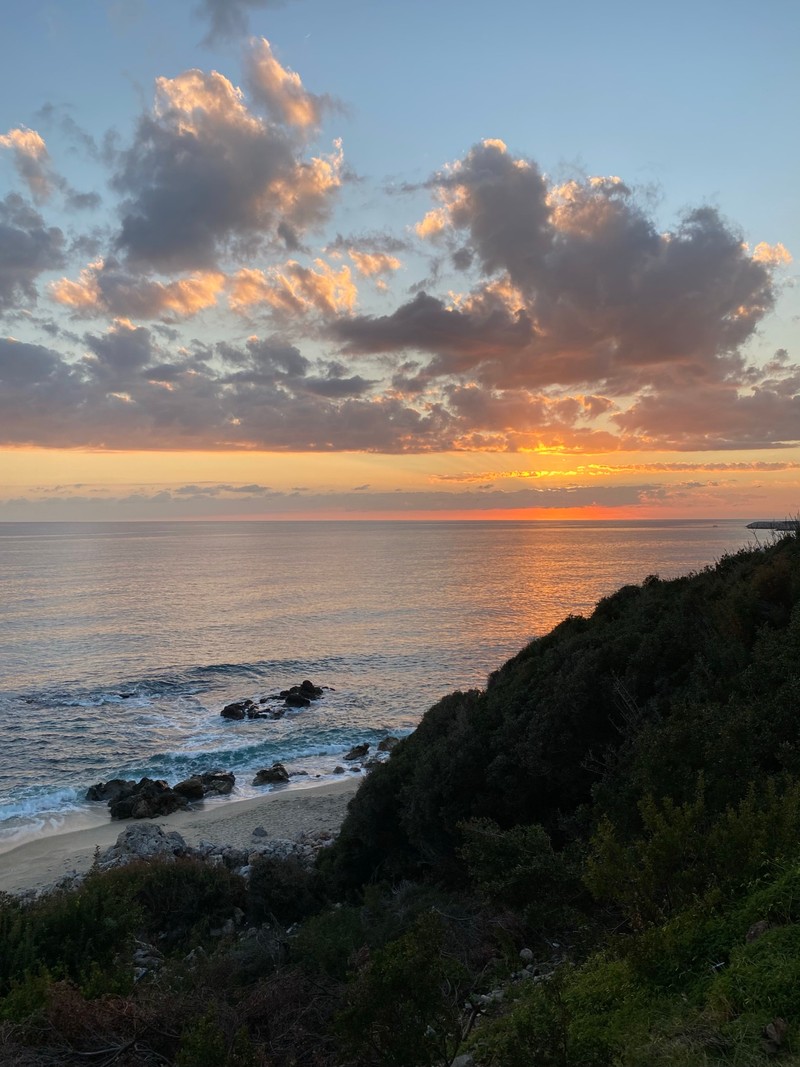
column 369, row 264
column 98, row 292
column 772, row 255
column 295, row 289
column 31, row 159
column 279, row 89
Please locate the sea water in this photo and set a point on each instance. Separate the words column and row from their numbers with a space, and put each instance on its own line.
column 121, row 642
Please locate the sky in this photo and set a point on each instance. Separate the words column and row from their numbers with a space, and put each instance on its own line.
column 363, row 259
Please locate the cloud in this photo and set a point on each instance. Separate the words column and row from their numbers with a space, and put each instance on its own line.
column 105, row 288
column 280, row 90
column 23, row 364
column 211, row 500
column 32, row 161
column 580, row 286
column 370, row 264
column 228, row 19
column 205, row 175
column 604, row 470
column 294, row 290
column 28, row 248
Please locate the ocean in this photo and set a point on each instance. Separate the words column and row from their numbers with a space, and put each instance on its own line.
column 121, row 642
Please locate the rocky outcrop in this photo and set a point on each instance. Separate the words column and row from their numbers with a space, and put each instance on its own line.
column 110, row 790
column 238, row 710
column 357, row 752
column 388, row 743
column 143, row 841
column 275, row 774
column 151, row 798
column 296, row 696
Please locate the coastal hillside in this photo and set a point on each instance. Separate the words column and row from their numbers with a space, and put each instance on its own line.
column 593, row 862
column 663, row 683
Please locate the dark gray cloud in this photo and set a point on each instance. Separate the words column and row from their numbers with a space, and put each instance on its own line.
column 205, row 175
column 582, row 287
column 28, row 248
column 121, row 353
column 25, row 365
column 210, row 501
column 229, row 19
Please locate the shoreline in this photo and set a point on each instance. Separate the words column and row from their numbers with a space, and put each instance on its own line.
column 43, row 862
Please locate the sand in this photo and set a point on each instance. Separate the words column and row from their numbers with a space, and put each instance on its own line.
column 42, row 863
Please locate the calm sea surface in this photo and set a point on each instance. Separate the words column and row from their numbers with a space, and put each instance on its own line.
column 121, row 642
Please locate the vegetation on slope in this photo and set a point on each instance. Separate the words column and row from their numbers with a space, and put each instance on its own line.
column 622, row 803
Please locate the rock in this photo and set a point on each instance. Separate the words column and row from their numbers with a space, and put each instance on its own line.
column 269, row 775
column 110, row 790
column 149, row 799
column 338, row 770
column 191, row 788
column 142, row 841
column 218, row 783
column 308, row 689
column 757, row 930
column 297, row 700
column 387, row 744
column 357, row 752
column 772, row 1036
column 234, row 858
column 237, row 710
column 260, row 832
column 526, row 955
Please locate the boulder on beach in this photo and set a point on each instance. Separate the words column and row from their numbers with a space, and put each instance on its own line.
column 277, row 773
column 191, row 788
column 143, row 841
column 357, row 752
column 148, row 799
column 110, row 790
column 218, row 783
column 388, row 743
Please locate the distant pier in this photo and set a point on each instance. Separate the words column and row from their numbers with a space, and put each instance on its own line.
column 785, row 524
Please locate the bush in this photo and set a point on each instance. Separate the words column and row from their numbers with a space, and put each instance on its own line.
column 282, row 891
column 403, row 1007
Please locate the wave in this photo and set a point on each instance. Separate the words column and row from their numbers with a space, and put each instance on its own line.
column 189, row 681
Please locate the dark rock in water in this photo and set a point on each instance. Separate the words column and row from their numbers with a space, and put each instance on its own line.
column 338, row 770
column 387, row 744
column 269, row 775
column 218, row 783
column 110, row 790
column 308, row 689
column 149, row 799
column 295, row 700
column 237, row 710
column 259, row 831
column 191, row 788
column 357, row 752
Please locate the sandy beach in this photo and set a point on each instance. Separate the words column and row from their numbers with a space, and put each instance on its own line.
column 282, row 814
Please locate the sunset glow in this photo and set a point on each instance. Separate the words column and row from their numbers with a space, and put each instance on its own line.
column 284, row 277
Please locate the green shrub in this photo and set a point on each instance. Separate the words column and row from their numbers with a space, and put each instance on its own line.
column 281, row 890
column 403, row 1007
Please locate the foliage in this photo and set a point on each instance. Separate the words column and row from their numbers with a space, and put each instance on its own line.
column 624, row 797
column 403, row 1006
column 519, row 868
column 663, row 681
column 687, row 850
column 282, row 891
